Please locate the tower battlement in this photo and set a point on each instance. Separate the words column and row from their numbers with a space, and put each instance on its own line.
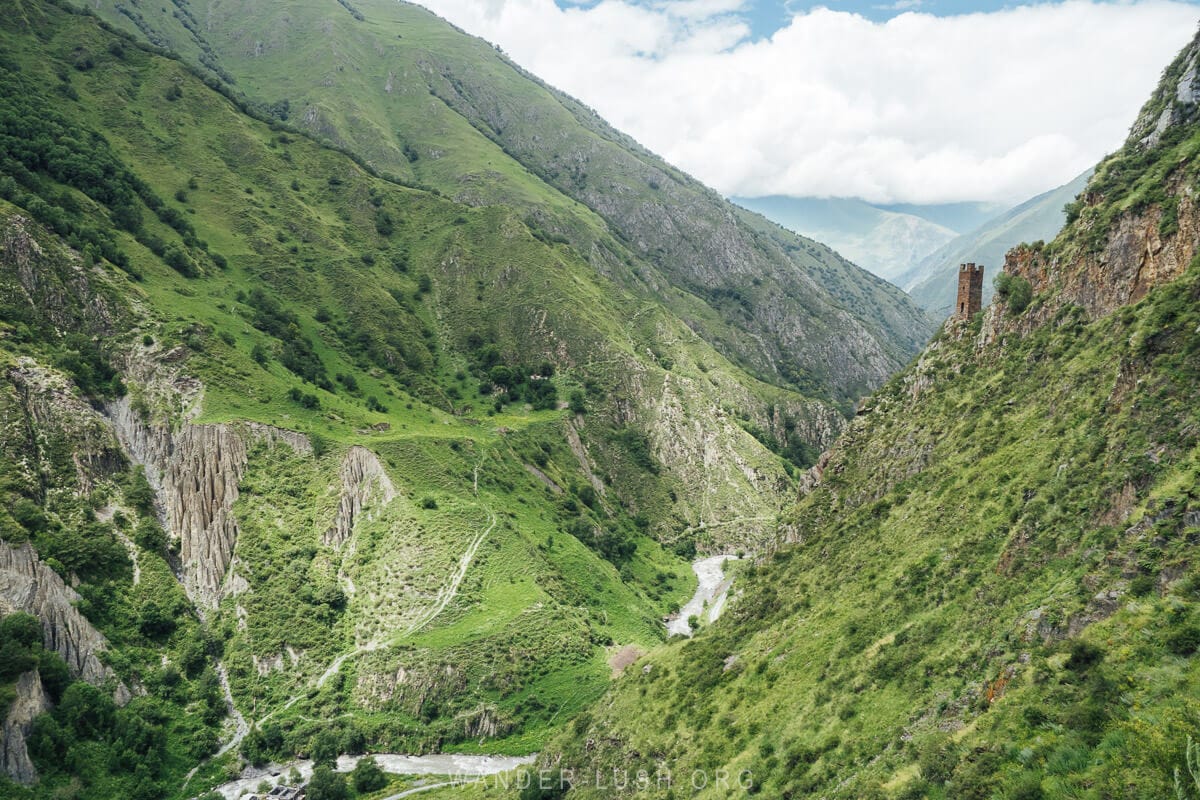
column 970, row 291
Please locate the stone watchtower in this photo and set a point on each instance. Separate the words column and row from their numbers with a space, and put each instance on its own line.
column 970, row 291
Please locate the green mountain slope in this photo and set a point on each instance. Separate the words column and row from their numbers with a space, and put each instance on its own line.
column 364, row 464
column 990, row 586
column 417, row 98
column 932, row 282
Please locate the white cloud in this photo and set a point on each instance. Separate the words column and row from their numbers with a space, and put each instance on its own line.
column 989, row 106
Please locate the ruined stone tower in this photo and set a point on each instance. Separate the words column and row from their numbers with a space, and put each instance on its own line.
column 970, row 291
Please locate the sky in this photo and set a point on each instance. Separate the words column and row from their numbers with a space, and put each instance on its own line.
column 892, row 101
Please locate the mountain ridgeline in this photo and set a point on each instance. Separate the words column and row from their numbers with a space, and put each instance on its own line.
column 360, row 392
column 990, row 586
column 419, row 100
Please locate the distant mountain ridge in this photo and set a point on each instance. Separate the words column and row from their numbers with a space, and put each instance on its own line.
column 931, row 282
column 418, row 99
column 882, row 241
column 917, row 247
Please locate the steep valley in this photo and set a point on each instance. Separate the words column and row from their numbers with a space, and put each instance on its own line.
column 301, row 456
column 989, row 586
column 359, row 393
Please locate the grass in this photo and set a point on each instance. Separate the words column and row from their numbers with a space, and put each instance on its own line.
column 924, row 637
column 418, row 100
column 537, row 607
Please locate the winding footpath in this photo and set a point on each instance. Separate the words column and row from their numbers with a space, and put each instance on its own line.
column 448, row 592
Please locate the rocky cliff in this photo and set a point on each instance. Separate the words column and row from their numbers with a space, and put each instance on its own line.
column 14, row 752
column 27, row 584
column 195, row 471
column 1136, row 225
column 365, row 485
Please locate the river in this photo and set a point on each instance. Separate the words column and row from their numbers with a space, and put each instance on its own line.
column 452, row 764
column 711, row 592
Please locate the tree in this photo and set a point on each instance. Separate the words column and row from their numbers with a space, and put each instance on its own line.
column 138, row 492
column 179, row 260
column 21, row 628
column 327, row 785
column 577, row 404
column 367, row 776
column 502, row 376
column 325, row 748
column 87, row 710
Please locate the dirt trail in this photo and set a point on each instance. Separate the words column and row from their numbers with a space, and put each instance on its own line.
column 241, row 726
column 448, row 592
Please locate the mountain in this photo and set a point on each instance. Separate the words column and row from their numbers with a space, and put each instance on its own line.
column 417, row 99
column 931, row 282
column 885, row 242
column 960, row 217
column 387, row 425
column 989, row 587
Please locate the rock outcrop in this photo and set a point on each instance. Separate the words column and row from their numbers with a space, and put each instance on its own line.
column 201, row 486
column 1125, row 235
column 27, row 584
column 66, row 433
column 1175, row 101
column 365, row 487
column 1136, row 257
column 54, row 280
column 195, row 472
column 14, row 752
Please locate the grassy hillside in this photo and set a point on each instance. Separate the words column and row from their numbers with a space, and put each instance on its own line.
column 418, row 99
column 559, row 444
column 990, row 587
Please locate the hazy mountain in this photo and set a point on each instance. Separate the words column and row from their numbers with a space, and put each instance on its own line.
column 932, row 282
column 959, row 217
column 885, row 242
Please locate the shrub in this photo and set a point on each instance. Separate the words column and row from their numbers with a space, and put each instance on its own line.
column 429, row 503
column 1142, row 585
column 577, row 404
column 1083, row 656
column 320, row 445
column 937, row 759
column 367, row 776
column 1014, row 290
column 150, row 536
column 1184, row 640
column 327, row 785
column 324, row 751
column 305, row 399
column 544, row 785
